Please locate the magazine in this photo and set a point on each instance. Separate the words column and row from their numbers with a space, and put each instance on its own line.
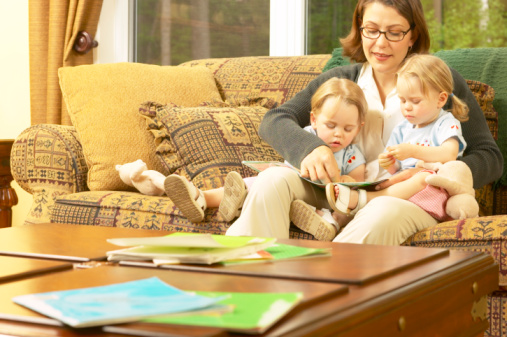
column 260, row 166
column 116, row 303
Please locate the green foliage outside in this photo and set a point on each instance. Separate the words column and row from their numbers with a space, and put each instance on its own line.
column 465, row 24
column 237, row 28
column 241, row 27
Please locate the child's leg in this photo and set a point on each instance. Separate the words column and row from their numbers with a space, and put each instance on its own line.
column 213, row 197
column 192, row 202
column 403, row 190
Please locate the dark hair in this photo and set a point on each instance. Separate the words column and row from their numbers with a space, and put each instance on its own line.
column 410, row 9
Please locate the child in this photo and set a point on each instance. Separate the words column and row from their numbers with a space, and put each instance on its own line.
column 338, row 112
column 428, row 133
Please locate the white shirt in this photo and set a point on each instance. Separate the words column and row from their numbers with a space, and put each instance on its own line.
column 379, row 123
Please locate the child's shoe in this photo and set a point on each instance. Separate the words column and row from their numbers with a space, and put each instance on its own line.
column 306, row 218
column 188, row 198
column 235, row 191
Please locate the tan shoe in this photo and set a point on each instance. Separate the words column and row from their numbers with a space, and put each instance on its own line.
column 306, row 218
column 183, row 194
column 341, row 204
column 235, row 192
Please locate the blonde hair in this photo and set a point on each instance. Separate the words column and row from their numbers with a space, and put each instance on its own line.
column 343, row 89
column 432, row 72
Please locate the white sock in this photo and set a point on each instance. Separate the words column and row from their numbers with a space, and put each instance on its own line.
column 328, row 216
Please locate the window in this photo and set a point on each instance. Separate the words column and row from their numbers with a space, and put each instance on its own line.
column 175, row 31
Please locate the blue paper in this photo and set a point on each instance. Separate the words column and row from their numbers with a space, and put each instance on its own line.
column 115, row 303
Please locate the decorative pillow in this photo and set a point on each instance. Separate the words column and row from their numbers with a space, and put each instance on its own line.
column 207, row 142
column 103, row 101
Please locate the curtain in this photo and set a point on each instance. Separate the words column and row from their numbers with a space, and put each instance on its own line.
column 53, row 27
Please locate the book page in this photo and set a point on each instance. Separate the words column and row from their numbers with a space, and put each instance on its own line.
column 260, row 166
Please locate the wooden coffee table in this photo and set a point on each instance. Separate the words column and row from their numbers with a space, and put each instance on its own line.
column 365, row 290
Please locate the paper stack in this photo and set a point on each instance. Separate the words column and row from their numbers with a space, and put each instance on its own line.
column 188, row 248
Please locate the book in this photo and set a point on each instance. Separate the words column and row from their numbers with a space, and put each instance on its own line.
column 188, row 248
column 253, row 313
column 115, row 303
column 279, row 251
column 260, row 166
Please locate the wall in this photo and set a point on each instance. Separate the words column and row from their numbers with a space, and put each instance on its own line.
column 15, row 85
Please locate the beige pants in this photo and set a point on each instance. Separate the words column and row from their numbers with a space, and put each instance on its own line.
column 385, row 220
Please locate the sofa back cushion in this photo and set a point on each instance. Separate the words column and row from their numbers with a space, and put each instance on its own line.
column 207, row 142
column 103, row 102
column 276, row 78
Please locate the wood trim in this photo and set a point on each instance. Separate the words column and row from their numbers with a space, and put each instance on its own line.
column 8, row 197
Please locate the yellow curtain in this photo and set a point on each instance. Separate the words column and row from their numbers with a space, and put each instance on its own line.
column 53, row 27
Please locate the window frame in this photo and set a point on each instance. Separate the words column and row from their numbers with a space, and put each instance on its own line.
column 115, row 32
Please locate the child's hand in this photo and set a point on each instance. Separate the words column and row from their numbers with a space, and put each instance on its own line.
column 386, row 160
column 401, row 151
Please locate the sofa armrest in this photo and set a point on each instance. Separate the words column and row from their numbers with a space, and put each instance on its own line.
column 47, row 161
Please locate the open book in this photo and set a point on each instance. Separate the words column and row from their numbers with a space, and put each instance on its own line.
column 188, row 248
column 260, row 166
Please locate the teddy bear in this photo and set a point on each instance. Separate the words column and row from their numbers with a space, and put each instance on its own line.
column 456, row 178
column 136, row 174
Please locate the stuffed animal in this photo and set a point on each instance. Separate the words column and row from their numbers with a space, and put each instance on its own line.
column 136, row 174
column 456, row 178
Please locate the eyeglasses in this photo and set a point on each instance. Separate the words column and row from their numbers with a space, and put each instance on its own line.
column 393, row 36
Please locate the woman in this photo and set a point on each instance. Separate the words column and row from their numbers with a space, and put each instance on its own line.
column 383, row 33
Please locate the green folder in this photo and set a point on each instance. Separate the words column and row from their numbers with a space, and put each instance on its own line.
column 252, row 313
column 280, row 251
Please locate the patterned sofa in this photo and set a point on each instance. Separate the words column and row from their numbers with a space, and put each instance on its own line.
column 69, row 170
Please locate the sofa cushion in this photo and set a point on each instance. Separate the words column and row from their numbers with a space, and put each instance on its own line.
column 207, row 142
column 137, row 211
column 277, row 78
column 483, row 234
column 103, row 102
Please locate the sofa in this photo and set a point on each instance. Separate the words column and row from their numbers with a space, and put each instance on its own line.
column 200, row 119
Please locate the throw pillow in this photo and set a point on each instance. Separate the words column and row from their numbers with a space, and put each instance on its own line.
column 207, row 142
column 103, row 100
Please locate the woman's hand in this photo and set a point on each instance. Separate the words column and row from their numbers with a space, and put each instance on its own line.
column 320, row 164
column 398, row 177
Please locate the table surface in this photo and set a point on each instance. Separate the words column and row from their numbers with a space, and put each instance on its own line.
column 417, row 291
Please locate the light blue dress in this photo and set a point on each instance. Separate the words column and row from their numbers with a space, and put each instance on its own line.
column 435, row 134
